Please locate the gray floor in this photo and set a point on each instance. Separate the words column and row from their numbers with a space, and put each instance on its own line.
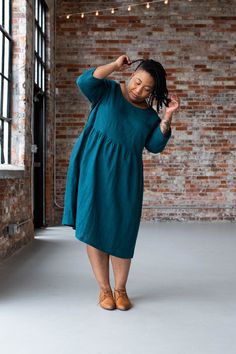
column 182, row 283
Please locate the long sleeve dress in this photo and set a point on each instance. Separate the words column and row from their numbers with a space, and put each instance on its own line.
column 104, row 185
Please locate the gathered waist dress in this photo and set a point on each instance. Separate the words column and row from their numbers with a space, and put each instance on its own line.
column 104, row 185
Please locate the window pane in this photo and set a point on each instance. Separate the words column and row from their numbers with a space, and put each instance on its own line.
column 1, row 45
column 5, row 97
column 36, row 9
column 40, row 17
column 43, row 19
column 35, row 71
column 36, row 39
column 40, row 69
column 1, row 142
column 1, row 96
column 43, row 50
column 5, row 141
column 6, row 58
column 7, row 14
column 1, row 22
column 43, row 79
column 40, row 45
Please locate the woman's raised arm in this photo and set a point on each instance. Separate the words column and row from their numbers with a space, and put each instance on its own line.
column 103, row 71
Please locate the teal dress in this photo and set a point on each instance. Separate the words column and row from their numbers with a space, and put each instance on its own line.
column 104, row 185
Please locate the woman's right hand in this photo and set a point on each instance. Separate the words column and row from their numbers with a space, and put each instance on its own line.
column 122, row 62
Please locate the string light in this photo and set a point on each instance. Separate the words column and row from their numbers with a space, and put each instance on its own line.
column 112, row 10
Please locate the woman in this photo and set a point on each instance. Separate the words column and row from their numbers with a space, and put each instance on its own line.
column 104, row 187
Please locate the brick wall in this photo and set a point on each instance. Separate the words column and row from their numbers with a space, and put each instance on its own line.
column 194, row 177
column 16, row 188
column 15, row 192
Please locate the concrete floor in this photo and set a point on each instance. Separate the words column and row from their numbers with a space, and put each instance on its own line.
column 182, row 283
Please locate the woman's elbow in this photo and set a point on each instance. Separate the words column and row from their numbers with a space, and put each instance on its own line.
column 155, row 149
column 79, row 81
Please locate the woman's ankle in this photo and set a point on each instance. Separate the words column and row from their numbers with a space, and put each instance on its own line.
column 120, row 287
column 105, row 287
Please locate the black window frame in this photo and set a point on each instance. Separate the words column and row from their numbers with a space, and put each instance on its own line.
column 5, row 77
column 40, row 44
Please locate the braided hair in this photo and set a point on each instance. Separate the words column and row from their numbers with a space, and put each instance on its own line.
column 160, row 92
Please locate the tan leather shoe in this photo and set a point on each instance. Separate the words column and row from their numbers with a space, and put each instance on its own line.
column 106, row 299
column 121, row 299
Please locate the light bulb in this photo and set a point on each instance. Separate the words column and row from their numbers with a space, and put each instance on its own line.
column 148, row 5
column 112, row 11
column 82, row 15
column 129, row 8
column 166, row 1
column 68, row 16
column 97, row 13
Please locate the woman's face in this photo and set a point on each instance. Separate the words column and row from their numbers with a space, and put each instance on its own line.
column 140, row 86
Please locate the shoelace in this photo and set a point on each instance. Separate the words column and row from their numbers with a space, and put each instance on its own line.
column 121, row 292
column 104, row 294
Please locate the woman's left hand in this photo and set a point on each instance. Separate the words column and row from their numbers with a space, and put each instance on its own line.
column 173, row 106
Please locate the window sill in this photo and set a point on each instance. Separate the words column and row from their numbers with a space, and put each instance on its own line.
column 11, row 171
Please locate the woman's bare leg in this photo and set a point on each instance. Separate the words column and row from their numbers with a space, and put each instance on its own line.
column 121, row 268
column 100, row 264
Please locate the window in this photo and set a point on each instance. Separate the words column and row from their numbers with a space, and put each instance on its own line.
column 5, row 79
column 40, row 44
